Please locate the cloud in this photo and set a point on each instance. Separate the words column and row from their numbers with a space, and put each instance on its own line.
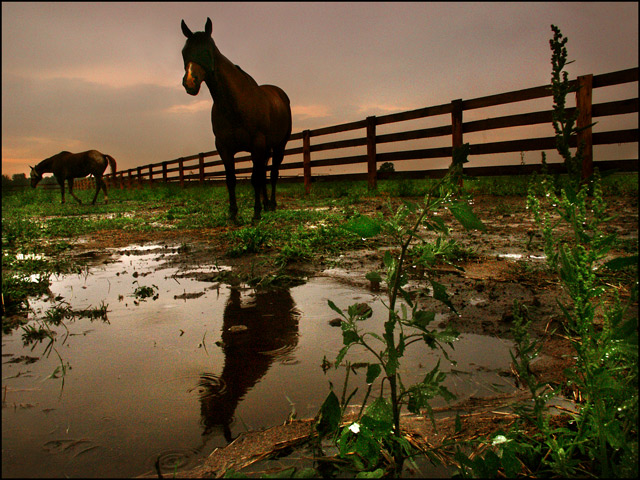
column 198, row 106
column 304, row 112
column 110, row 76
column 381, row 109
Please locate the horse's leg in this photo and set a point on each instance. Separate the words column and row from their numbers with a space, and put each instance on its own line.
column 71, row 191
column 100, row 184
column 259, row 180
column 61, row 183
column 263, row 182
column 230, row 175
column 265, row 197
column 104, row 188
column 278, row 155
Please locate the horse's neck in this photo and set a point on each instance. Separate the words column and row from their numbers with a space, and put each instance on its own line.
column 45, row 166
column 229, row 83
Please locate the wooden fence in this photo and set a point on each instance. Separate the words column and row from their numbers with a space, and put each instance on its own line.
column 199, row 168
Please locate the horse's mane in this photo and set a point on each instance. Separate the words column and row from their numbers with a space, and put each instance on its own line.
column 45, row 165
column 249, row 77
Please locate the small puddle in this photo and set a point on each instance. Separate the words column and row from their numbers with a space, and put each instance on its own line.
column 519, row 256
column 170, row 377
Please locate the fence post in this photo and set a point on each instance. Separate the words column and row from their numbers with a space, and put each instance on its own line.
column 584, row 135
column 121, row 180
column 164, row 172
column 130, row 182
column 371, row 152
column 139, row 170
column 151, row 175
column 456, row 127
column 181, row 168
column 306, row 160
column 201, row 165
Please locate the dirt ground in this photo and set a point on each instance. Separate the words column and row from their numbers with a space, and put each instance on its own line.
column 507, row 265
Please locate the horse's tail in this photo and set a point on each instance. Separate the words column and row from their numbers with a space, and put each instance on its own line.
column 112, row 163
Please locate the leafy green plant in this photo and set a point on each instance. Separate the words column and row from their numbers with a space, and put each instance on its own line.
column 39, row 331
column 246, row 240
column 376, row 433
column 602, row 437
column 442, row 250
column 142, row 292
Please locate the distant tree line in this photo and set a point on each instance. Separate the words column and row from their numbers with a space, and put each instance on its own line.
column 20, row 179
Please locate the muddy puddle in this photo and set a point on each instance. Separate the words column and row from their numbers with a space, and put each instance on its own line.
column 183, row 364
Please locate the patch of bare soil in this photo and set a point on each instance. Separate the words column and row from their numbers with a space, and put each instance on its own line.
column 507, row 265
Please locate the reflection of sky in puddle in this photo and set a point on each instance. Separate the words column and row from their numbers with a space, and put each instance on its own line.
column 152, row 380
column 519, row 256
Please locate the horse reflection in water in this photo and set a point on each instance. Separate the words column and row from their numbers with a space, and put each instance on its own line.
column 271, row 321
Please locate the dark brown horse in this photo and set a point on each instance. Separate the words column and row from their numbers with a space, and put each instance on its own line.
column 67, row 166
column 246, row 117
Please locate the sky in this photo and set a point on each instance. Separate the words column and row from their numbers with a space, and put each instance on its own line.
column 108, row 75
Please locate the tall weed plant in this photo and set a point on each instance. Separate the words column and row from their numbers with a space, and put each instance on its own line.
column 601, row 437
column 373, row 444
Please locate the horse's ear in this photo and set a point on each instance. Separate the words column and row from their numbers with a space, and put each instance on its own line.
column 185, row 30
column 208, row 28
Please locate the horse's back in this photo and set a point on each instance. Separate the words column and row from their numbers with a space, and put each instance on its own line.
column 77, row 165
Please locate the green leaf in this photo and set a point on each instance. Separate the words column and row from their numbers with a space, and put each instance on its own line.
column 329, row 415
column 488, row 466
column 510, row 463
column 373, row 371
column 363, row 226
column 458, row 423
column 463, row 213
column 622, row 262
column 378, row 417
column 436, row 224
column 459, row 155
column 377, row 473
column 341, row 355
column 392, row 363
column 335, row 308
column 373, row 277
column 388, row 259
column 422, row 318
column 440, row 293
column 448, row 335
column 367, row 448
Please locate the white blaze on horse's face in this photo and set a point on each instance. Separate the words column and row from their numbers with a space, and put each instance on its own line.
column 193, row 77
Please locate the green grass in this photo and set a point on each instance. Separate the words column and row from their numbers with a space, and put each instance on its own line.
column 35, row 222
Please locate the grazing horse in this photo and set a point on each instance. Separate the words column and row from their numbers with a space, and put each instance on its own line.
column 67, row 166
column 246, row 117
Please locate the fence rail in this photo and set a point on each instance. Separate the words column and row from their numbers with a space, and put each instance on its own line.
column 182, row 170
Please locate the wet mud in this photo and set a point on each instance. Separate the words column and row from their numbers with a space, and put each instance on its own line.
column 506, row 264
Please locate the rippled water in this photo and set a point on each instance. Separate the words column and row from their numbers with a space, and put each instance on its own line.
column 163, row 382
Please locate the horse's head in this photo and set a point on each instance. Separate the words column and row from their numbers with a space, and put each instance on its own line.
column 35, row 177
column 198, row 57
